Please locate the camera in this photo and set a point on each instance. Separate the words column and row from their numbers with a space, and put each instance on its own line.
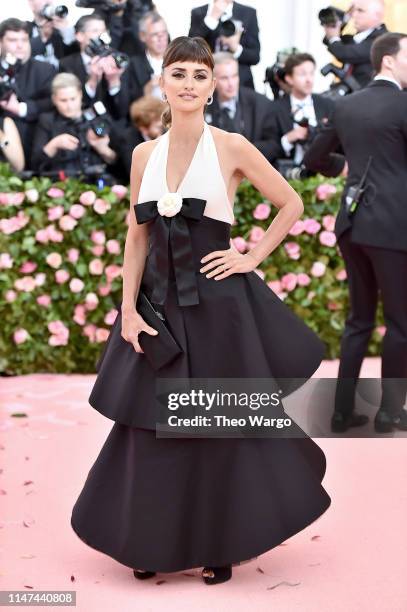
column 49, row 12
column 346, row 82
column 291, row 171
column 97, row 119
column 331, row 16
column 100, row 47
column 9, row 68
column 275, row 74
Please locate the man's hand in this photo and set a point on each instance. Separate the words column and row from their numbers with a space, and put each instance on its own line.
column 60, row 23
column 232, row 41
column 11, row 105
column 46, row 29
column 218, row 8
column 98, row 143
column 112, row 73
column 333, row 31
column 298, row 133
column 62, row 141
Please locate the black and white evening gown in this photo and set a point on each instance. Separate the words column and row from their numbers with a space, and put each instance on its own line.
column 169, row 504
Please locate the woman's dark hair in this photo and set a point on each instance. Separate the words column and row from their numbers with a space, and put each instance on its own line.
column 186, row 49
column 386, row 44
column 296, row 59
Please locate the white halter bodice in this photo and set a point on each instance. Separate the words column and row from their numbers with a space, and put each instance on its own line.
column 203, row 179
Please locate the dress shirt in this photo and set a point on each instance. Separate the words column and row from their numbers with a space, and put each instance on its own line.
column 380, row 77
column 212, row 23
column 305, row 108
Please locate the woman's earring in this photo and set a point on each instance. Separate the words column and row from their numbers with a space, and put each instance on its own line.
column 164, row 97
column 209, row 100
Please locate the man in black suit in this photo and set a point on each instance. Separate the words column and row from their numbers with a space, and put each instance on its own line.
column 101, row 78
column 372, row 235
column 51, row 39
column 288, row 135
column 368, row 18
column 239, row 109
column 31, row 83
column 145, row 68
column 210, row 21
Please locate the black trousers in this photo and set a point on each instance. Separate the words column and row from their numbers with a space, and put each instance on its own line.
column 374, row 272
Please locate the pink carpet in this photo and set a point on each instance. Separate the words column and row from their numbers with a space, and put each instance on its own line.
column 352, row 559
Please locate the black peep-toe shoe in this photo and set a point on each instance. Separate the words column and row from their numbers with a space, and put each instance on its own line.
column 215, row 575
column 142, row 575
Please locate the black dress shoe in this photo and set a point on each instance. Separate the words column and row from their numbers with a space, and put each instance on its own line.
column 215, row 575
column 385, row 422
column 142, row 575
column 342, row 422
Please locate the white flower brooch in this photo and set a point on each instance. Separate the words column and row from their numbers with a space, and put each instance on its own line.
column 169, row 204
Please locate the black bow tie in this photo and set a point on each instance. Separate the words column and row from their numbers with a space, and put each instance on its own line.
column 174, row 232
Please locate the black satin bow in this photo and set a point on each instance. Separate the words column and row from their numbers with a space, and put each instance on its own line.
column 174, row 232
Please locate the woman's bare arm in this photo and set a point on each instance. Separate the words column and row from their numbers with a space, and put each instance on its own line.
column 253, row 165
column 14, row 151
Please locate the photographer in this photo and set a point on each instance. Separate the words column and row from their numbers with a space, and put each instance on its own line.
column 51, row 35
column 99, row 74
column 145, row 68
column 368, row 18
column 296, row 115
column 230, row 26
column 371, row 227
column 64, row 139
column 11, row 148
column 25, row 84
column 239, row 109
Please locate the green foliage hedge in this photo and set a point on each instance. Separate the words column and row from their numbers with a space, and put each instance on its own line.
column 61, row 251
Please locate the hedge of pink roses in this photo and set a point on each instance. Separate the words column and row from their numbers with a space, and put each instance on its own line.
column 61, row 255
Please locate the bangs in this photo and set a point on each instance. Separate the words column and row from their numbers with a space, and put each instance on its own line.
column 188, row 49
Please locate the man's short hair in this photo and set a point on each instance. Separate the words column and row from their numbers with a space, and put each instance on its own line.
column 296, row 59
column 13, row 25
column 386, row 44
column 152, row 16
column 222, row 57
column 145, row 110
column 65, row 79
column 81, row 24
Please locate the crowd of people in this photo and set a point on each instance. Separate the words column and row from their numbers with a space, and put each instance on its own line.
column 82, row 96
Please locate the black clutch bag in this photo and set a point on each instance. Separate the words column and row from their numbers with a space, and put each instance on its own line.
column 159, row 349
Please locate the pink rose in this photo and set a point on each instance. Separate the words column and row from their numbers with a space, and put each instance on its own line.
column 333, row 306
column 80, row 314
column 76, row 285
column 77, row 211
column 120, row 191
column 262, row 211
column 292, row 249
column 381, row 330
column 61, row 276
column 54, row 260
column 32, row 195
column 11, row 295
column 40, row 279
column 96, row 267
column 55, row 212
column 101, row 334
column 327, row 239
column 275, row 286
column 55, row 192
column 328, row 221
column 113, row 247
column 90, row 331
column 311, row 226
column 73, row 255
column 20, row 336
column 67, row 223
column 112, row 272
column 6, row 261
column 256, row 234
column 289, row 281
column 110, row 317
column 26, row 283
column 91, row 301
column 12, row 199
column 105, row 290
column 98, row 250
column 240, row 244
column 303, row 279
column 53, row 234
column 56, row 327
column 28, row 267
column 341, row 275
column 325, row 191
column 87, row 198
column 61, row 340
column 297, row 228
column 98, row 236
column 44, row 300
column 42, row 236
column 318, row 269
column 14, row 224
column 101, row 206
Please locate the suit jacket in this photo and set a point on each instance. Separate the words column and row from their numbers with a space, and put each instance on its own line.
column 249, row 40
column 357, row 54
column 33, row 86
column 123, row 141
column 117, row 105
column 373, row 122
column 255, row 113
column 60, row 48
column 282, row 121
column 140, row 72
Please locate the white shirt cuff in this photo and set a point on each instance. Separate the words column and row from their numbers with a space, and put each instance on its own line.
column 211, row 22
column 91, row 92
column 287, row 146
column 68, row 34
column 22, row 109
column 334, row 39
column 238, row 51
column 114, row 90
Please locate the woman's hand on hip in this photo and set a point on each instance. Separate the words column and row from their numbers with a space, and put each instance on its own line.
column 221, row 264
